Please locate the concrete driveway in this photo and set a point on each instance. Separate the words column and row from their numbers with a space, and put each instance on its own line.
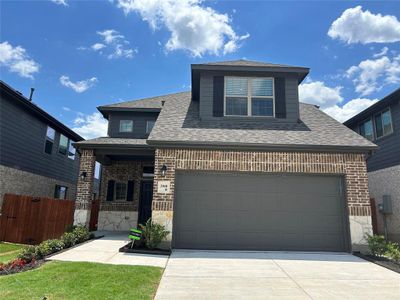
column 273, row 275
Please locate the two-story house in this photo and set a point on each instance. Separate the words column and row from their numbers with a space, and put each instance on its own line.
column 36, row 153
column 236, row 163
column 380, row 123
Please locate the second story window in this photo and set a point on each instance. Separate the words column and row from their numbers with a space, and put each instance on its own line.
column 50, row 134
column 71, row 151
column 149, row 126
column 63, row 145
column 366, row 130
column 125, row 126
column 383, row 123
column 249, row 96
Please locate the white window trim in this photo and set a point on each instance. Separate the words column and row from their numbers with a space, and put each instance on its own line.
column 147, row 125
column 374, row 123
column 120, row 122
column 249, row 96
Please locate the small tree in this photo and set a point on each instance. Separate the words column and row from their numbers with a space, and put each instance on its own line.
column 153, row 233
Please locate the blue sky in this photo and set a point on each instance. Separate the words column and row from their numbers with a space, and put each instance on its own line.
column 82, row 54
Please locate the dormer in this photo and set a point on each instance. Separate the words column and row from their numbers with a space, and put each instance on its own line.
column 247, row 90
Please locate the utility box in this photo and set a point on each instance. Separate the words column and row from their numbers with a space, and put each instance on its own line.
column 386, row 206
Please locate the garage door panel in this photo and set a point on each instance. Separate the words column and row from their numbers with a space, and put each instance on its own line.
column 258, row 212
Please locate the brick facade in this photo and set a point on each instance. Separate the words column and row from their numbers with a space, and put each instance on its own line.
column 352, row 166
column 85, row 186
column 122, row 171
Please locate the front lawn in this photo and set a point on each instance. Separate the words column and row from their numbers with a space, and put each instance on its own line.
column 81, row 280
column 9, row 251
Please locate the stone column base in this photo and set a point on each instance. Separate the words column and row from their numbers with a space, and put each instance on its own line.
column 82, row 217
column 164, row 218
column 360, row 226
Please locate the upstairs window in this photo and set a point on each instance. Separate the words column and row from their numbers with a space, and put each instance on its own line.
column 125, row 126
column 383, row 123
column 149, row 126
column 249, row 96
column 63, row 145
column 50, row 134
column 71, row 151
column 366, row 130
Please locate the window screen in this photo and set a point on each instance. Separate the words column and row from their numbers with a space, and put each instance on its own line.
column 63, row 145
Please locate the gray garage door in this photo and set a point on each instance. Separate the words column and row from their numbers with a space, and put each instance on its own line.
column 259, row 212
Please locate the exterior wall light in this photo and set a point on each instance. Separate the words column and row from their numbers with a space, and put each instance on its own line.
column 83, row 175
column 163, row 170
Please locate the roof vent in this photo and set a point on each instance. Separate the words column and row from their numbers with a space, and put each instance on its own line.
column 162, row 102
column 31, row 94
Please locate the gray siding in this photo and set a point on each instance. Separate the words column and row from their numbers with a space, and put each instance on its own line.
column 388, row 153
column 22, row 140
column 139, row 124
column 292, row 96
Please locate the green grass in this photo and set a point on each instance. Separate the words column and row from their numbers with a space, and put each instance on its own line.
column 9, row 251
column 76, row 280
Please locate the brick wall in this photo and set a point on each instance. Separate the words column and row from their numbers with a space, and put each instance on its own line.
column 353, row 166
column 85, row 186
column 122, row 171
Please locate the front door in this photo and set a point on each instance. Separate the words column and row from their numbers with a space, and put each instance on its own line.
column 146, row 197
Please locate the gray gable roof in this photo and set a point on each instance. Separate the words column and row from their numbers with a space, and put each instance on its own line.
column 145, row 104
column 179, row 125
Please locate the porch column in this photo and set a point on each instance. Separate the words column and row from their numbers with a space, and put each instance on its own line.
column 84, row 188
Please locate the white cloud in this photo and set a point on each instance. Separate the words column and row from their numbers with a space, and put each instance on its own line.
column 97, row 46
column 330, row 98
column 17, row 60
column 66, row 108
column 349, row 109
column 78, row 86
column 193, row 27
column 60, row 2
column 316, row 92
column 383, row 52
column 372, row 74
column 358, row 26
column 90, row 126
column 113, row 44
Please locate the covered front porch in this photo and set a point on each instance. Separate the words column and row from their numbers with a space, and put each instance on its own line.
column 126, row 183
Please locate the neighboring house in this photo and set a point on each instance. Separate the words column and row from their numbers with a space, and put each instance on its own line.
column 380, row 123
column 237, row 163
column 36, row 153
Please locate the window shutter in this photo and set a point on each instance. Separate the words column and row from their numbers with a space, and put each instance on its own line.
column 129, row 191
column 218, row 96
column 110, row 190
column 280, row 98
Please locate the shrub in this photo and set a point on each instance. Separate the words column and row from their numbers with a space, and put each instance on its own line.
column 377, row 244
column 393, row 251
column 153, row 234
column 70, row 228
column 81, row 233
column 69, row 239
column 48, row 247
column 27, row 253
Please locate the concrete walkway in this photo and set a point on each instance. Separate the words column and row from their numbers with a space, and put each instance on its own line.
column 274, row 275
column 105, row 250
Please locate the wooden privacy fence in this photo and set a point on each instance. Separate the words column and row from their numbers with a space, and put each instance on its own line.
column 31, row 220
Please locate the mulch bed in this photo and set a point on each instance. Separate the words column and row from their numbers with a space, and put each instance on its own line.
column 381, row 261
column 8, row 269
column 140, row 249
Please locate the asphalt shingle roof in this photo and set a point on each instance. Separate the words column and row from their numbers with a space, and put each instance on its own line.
column 150, row 103
column 179, row 123
column 113, row 141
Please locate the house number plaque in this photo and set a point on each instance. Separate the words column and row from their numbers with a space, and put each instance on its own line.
column 163, row 187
